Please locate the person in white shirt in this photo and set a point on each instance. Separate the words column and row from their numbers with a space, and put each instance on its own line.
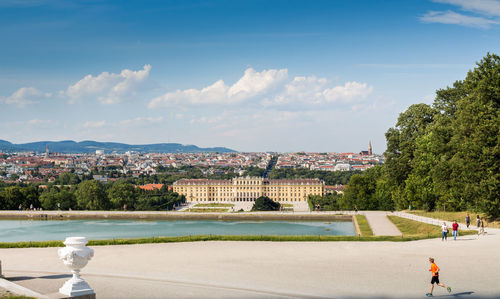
column 444, row 229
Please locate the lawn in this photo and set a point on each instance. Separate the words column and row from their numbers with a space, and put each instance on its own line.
column 214, row 205
column 206, row 210
column 364, row 227
column 459, row 216
column 198, row 238
column 411, row 228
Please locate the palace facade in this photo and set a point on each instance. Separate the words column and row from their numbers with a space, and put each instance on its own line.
column 248, row 189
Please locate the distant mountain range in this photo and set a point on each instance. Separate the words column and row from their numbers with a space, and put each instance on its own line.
column 69, row 146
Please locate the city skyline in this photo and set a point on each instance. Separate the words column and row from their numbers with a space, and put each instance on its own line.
column 323, row 76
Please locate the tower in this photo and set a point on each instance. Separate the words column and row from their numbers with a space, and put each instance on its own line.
column 369, row 148
column 47, row 151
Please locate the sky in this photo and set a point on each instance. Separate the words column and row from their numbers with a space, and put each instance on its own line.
column 285, row 76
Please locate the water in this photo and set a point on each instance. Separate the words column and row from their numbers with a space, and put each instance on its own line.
column 40, row 230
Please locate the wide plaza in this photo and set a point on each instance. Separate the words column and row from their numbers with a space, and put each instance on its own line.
column 271, row 269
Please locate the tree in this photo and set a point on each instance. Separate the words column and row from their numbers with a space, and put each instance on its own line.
column 122, row 193
column 264, row 203
column 368, row 191
column 401, row 144
column 328, row 202
column 475, row 165
column 91, row 195
column 13, row 197
column 68, row 178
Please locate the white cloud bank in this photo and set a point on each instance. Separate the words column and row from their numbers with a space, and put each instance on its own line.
column 109, row 88
column 134, row 122
column 25, row 96
column 252, row 83
column 313, row 90
column 487, row 13
column 270, row 85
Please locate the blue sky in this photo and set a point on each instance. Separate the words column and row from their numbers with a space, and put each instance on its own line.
column 249, row 75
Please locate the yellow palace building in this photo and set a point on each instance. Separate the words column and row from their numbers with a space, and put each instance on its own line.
column 248, row 189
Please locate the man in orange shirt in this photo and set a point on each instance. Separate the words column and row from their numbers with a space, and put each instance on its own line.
column 435, row 278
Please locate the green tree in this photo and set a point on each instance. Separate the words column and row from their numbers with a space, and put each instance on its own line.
column 91, row 195
column 68, row 178
column 368, row 191
column 264, row 203
column 13, row 197
column 328, row 202
column 401, row 144
column 475, row 165
column 122, row 193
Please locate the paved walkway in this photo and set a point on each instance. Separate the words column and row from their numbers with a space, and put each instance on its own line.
column 380, row 224
column 271, row 269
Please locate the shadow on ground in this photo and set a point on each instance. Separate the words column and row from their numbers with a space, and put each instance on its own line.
column 21, row 278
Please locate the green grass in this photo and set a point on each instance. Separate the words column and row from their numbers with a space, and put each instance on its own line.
column 411, row 228
column 459, row 216
column 206, row 210
column 213, row 205
column 198, row 238
column 9, row 295
column 364, row 227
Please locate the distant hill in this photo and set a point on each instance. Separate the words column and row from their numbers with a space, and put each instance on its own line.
column 69, row 146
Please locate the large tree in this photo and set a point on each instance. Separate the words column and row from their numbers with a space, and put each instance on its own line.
column 91, row 195
column 412, row 124
column 122, row 193
column 475, row 165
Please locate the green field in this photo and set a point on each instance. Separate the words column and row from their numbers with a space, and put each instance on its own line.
column 364, row 227
column 199, row 238
column 206, row 210
column 214, row 205
column 459, row 216
column 411, row 228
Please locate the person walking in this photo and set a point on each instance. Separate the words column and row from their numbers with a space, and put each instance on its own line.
column 435, row 278
column 481, row 227
column 444, row 230
column 478, row 221
column 454, row 230
column 467, row 220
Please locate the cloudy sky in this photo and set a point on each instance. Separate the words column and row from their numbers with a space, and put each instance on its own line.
column 248, row 75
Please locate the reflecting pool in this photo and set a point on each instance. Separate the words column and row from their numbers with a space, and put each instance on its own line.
column 44, row 230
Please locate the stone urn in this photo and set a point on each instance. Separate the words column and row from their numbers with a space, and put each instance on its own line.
column 75, row 256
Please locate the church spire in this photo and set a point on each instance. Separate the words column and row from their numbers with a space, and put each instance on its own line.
column 370, row 148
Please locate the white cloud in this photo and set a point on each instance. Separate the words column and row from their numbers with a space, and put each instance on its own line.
column 347, row 93
column 134, row 122
column 450, row 17
column 25, row 96
column 109, row 88
column 273, row 88
column 251, row 84
column 30, row 124
column 485, row 13
column 485, row 7
column 139, row 121
column 316, row 91
column 94, row 124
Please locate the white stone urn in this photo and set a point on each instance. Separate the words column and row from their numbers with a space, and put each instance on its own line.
column 75, row 256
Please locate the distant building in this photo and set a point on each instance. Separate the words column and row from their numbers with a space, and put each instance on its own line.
column 99, row 152
column 248, row 189
column 369, row 151
column 100, row 178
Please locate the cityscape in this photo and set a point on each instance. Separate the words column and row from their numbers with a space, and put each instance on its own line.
column 38, row 168
column 249, row 149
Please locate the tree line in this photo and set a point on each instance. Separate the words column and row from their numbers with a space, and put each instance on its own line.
column 444, row 156
column 89, row 195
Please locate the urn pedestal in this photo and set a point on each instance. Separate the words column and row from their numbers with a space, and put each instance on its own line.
column 75, row 256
